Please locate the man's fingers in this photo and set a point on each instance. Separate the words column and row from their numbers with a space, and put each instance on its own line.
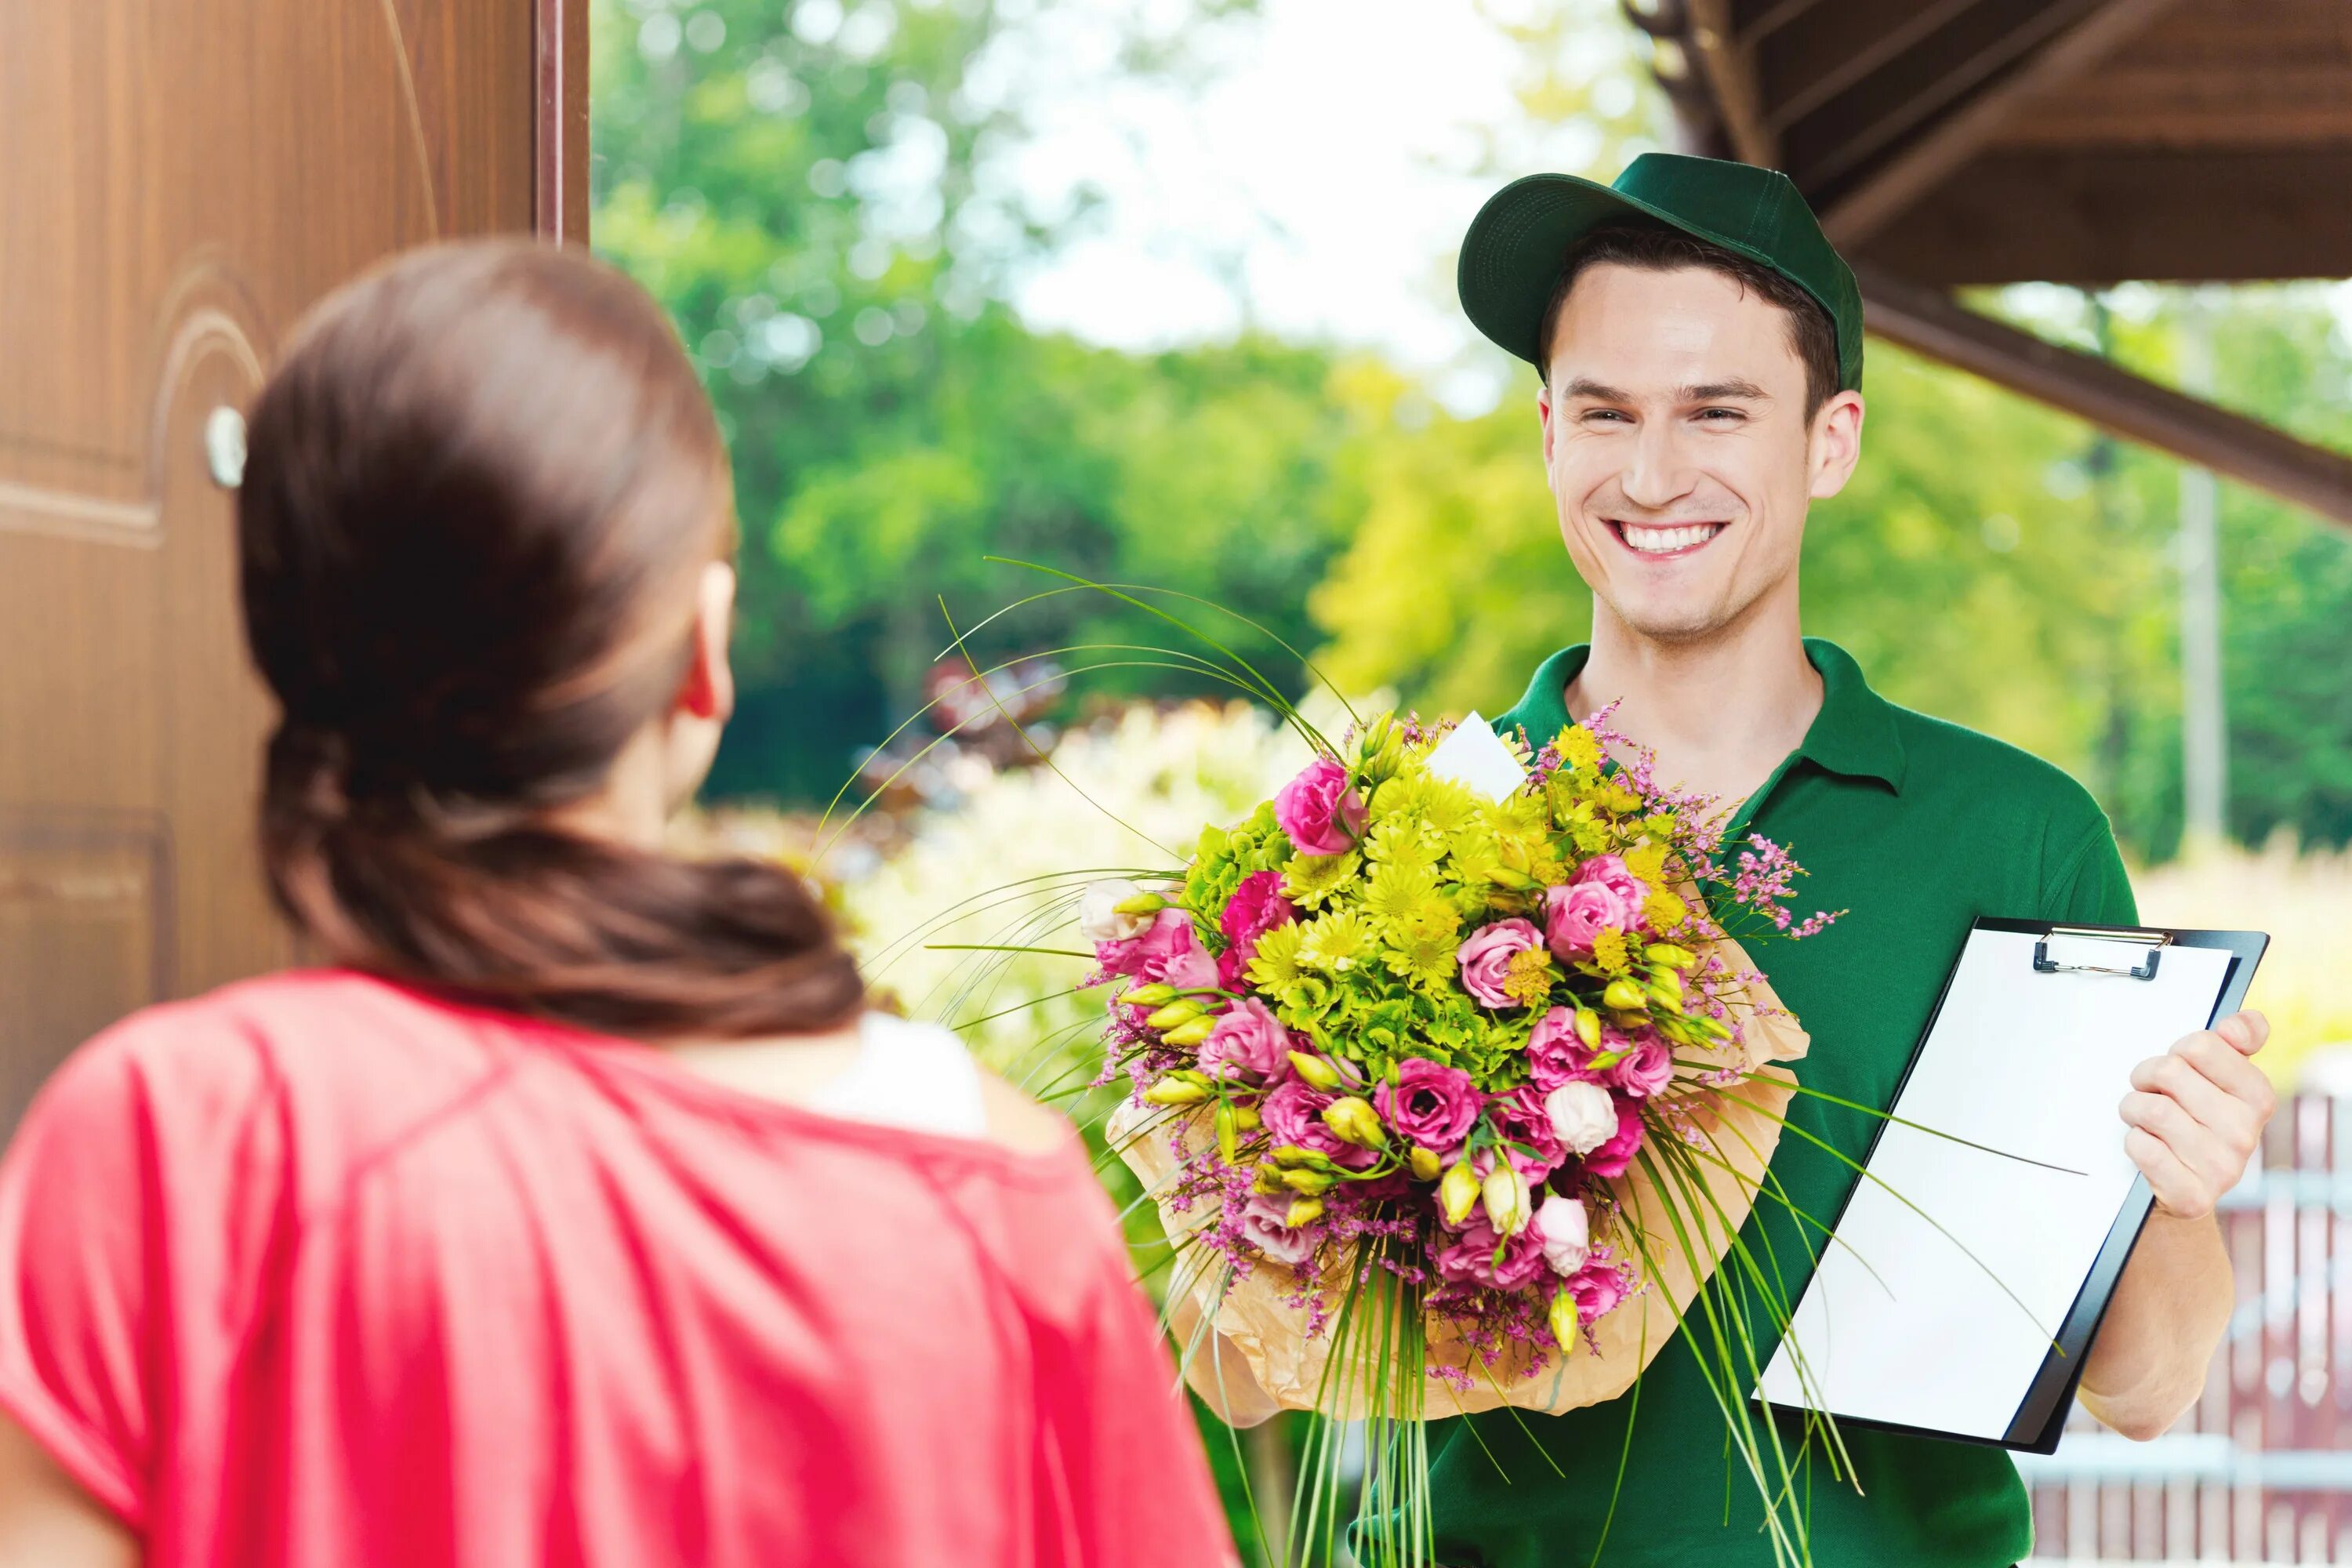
column 2223, row 1065
column 2246, row 1032
column 2175, row 1186
column 2178, row 1078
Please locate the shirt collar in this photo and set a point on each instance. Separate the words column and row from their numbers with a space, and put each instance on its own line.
column 1853, row 734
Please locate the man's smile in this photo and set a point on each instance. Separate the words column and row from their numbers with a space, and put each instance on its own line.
column 1665, row 541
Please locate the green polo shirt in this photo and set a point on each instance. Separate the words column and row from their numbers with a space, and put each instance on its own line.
column 1915, row 827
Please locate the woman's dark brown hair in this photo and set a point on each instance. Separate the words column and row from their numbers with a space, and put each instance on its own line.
column 481, row 493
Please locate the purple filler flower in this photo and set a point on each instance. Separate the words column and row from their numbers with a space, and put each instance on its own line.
column 1321, row 809
column 1485, row 959
column 1430, row 1104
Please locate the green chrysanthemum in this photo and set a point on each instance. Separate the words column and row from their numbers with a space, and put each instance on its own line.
column 1336, row 941
column 1401, row 841
column 1423, row 962
column 1309, row 880
column 1397, row 892
column 1274, row 966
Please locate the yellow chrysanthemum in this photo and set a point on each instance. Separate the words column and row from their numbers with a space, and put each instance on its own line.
column 1527, row 978
column 1474, row 855
column 1666, row 910
column 1426, row 963
column 1609, row 952
column 1335, row 942
column 1397, row 888
column 1648, row 861
column 1432, row 919
column 1274, row 964
column 1401, row 841
column 1448, row 807
column 1579, row 748
column 1309, row 880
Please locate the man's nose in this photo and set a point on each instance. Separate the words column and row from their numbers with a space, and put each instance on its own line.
column 1660, row 473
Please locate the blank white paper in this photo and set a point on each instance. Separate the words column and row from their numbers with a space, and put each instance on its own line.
column 1474, row 755
column 1900, row 1324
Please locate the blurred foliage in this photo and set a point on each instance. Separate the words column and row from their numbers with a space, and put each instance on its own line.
column 821, row 193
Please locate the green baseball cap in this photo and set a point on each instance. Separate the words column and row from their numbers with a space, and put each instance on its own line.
column 1512, row 256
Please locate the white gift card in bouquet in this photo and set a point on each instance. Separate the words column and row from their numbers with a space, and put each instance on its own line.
column 1475, row 756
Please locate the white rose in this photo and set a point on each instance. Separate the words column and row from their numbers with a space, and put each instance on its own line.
column 1098, row 917
column 1566, row 1232
column 1583, row 1116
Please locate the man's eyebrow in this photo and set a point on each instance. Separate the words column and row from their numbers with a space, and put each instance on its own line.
column 1585, row 386
column 1717, row 391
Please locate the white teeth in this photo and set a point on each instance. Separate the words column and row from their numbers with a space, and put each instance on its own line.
column 1660, row 540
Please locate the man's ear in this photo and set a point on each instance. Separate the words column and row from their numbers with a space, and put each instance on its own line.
column 1836, row 444
column 1543, row 418
column 709, row 692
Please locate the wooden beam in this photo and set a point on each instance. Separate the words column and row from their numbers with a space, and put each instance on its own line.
column 2099, row 216
column 559, row 206
column 2053, row 51
column 1930, row 323
column 1729, row 67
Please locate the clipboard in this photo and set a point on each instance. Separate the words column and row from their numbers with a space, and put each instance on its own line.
column 2086, row 958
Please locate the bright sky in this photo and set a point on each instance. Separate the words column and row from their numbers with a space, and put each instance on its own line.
column 1316, row 181
column 1313, row 177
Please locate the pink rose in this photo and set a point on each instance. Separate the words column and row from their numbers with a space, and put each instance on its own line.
column 1566, row 1232
column 1598, row 1287
column 1614, row 1157
column 1261, row 1226
column 1644, row 1069
column 1430, row 1104
column 1555, row 1055
column 1519, row 1117
column 1321, row 809
column 1576, row 914
column 1610, row 872
column 1166, row 950
column 1485, row 959
column 1293, row 1114
column 1470, row 1260
column 1249, row 1041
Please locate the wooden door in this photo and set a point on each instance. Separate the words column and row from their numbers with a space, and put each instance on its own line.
column 179, row 179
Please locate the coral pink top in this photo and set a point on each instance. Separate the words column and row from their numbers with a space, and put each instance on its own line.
column 318, row 1270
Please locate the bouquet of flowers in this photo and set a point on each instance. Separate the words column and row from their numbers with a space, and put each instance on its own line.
column 1443, row 1073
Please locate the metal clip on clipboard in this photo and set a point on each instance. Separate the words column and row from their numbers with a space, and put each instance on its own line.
column 2151, row 943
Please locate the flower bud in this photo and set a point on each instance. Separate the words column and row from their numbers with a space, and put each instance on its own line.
column 1624, row 996
column 1588, row 1028
column 1507, row 1198
column 1191, row 1031
column 1175, row 1091
column 1302, row 1211
column 1355, row 1122
column 1156, row 994
column 1140, row 904
column 1458, row 1193
column 1292, row 1155
column 1183, row 1011
column 1318, row 1072
column 1564, row 1323
column 1245, row 1117
column 1671, row 955
column 1268, row 1182
column 1314, row 1183
column 1228, row 1134
column 1665, row 998
column 1425, row 1163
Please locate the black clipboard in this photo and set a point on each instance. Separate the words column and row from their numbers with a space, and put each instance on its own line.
column 2042, row 1414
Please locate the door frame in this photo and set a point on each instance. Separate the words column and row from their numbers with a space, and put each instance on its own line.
column 560, row 199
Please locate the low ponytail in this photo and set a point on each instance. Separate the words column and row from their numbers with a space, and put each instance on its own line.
column 479, row 494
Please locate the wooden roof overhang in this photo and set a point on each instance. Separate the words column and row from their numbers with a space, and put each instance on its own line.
column 1956, row 143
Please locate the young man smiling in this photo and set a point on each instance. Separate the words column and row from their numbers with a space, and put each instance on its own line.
column 1700, row 344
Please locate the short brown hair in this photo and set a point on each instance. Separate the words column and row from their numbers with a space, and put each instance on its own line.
column 484, row 486
column 1654, row 247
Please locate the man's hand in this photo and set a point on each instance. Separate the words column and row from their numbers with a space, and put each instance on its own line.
column 2196, row 1114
